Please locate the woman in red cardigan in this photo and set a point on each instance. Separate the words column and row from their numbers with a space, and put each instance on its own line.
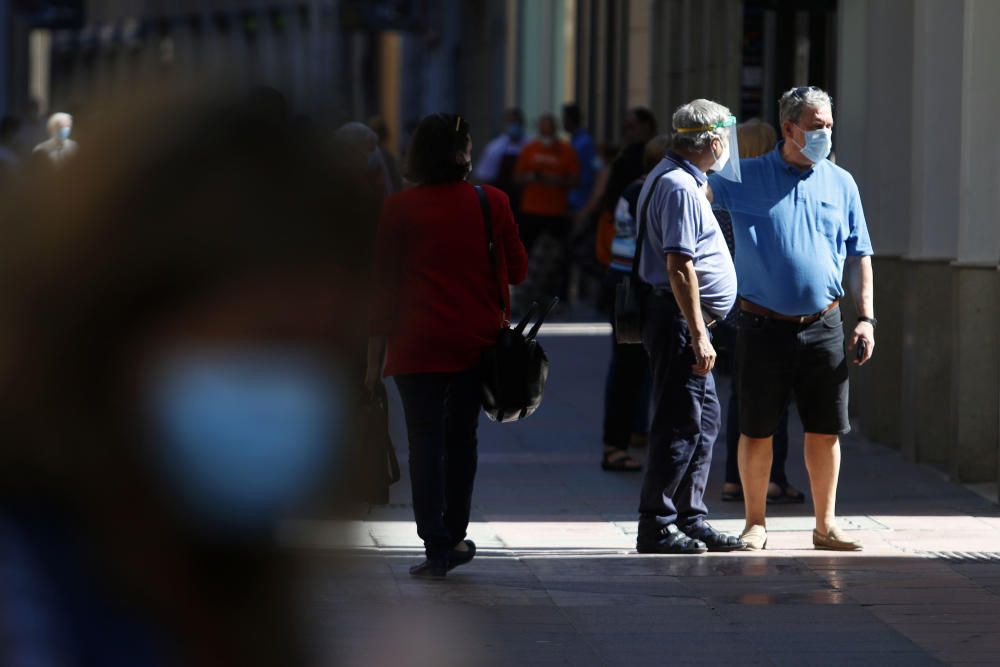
column 437, row 310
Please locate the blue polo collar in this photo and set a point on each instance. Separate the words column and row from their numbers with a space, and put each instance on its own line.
column 698, row 174
column 789, row 168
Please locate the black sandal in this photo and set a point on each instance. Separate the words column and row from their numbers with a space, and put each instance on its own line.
column 714, row 540
column 670, row 540
column 732, row 496
column 789, row 496
column 619, row 460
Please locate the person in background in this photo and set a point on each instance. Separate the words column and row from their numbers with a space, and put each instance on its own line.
column 639, row 127
column 755, row 138
column 547, row 170
column 586, row 155
column 626, row 393
column 389, row 161
column 799, row 226
column 59, row 147
column 436, row 312
column 497, row 161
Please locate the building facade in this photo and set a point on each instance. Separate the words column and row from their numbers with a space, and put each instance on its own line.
column 918, row 82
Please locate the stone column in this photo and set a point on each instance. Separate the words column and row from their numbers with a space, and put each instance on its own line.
column 976, row 288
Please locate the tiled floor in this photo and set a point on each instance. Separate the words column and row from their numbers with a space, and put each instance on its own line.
column 557, row 581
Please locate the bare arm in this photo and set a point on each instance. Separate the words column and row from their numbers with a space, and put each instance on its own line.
column 684, row 285
column 861, row 279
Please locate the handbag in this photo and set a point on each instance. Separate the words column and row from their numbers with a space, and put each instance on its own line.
column 515, row 369
column 379, row 463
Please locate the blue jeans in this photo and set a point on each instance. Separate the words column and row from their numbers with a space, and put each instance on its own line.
column 686, row 421
column 442, row 416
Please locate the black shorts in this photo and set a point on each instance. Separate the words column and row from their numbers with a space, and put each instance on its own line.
column 780, row 359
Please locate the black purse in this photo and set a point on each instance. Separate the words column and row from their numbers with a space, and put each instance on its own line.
column 514, row 370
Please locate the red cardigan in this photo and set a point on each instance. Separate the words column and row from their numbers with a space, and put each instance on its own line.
column 437, row 297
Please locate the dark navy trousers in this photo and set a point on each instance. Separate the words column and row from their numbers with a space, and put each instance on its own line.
column 442, row 415
column 686, row 421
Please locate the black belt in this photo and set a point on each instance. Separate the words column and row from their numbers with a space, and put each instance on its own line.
column 710, row 321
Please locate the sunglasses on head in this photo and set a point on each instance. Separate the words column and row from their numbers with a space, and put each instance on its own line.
column 801, row 91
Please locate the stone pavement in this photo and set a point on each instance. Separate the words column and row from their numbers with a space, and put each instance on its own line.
column 557, row 580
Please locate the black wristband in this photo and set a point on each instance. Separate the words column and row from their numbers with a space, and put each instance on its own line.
column 870, row 320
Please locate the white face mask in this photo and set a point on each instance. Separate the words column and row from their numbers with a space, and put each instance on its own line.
column 818, row 144
column 720, row 162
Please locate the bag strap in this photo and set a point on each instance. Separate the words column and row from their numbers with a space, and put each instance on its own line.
column 484, row 204
column 641, row 236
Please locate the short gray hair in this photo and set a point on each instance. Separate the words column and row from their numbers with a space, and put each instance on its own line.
column 698, row 114
column 796, row 100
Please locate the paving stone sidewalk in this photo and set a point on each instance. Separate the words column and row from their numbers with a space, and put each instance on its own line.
column 557, row 581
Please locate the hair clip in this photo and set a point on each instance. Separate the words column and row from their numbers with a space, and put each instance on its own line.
column 458, row 123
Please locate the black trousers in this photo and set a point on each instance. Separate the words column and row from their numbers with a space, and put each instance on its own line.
column 626, row 391
column 686, row 422
column 442, row 416
column 779, row 445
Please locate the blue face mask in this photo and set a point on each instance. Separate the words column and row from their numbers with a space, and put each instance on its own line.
column 818, row 144
column 515, row 131
column 64, row 133
column 242, row 436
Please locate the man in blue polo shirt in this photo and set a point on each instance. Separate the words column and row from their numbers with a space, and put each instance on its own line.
column 683, row 256
column 797, row 219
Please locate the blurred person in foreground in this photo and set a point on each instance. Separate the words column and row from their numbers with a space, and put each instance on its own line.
column 357, row 145
column 798, row 223
column 626, row 392
column 59, row 147
column 176, row 380
column 686, row 263
column 755, row 138
column 390, row 163
column 437, row 311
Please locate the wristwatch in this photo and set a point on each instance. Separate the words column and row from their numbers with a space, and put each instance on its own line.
column 870, row 320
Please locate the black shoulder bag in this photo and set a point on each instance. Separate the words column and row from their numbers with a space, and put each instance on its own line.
column 514, row 371
column 631, row 291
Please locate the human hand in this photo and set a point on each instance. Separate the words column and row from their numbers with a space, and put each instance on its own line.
column 704, row 354
column 864, row 331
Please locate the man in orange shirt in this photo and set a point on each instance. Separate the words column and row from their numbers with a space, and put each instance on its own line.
column 547, row 170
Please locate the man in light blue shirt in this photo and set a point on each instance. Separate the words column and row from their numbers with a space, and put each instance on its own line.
column 683, row 256
column 797, row 221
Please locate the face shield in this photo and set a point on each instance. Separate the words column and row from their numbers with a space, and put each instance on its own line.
column 727, row 164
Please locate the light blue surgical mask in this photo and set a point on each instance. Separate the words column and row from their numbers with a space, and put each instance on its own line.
column 242, row 436
column 64, row 133
column 818, row 144
column 515, row 131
